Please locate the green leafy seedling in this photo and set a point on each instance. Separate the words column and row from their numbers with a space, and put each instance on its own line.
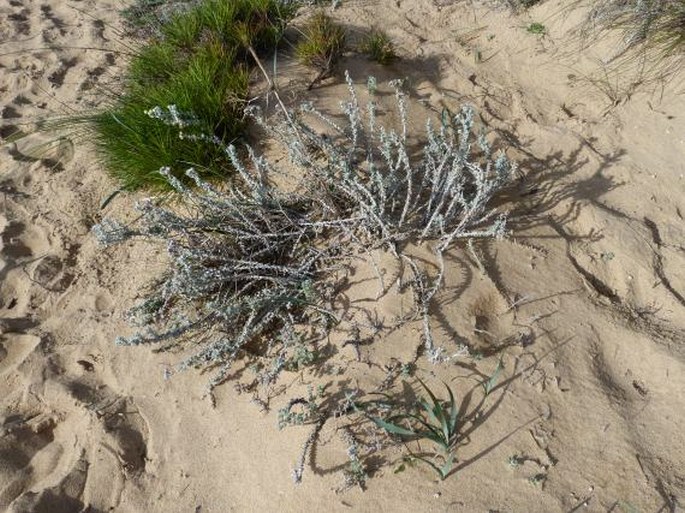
column 437, row 422
column 537, row 29
column 515, row 461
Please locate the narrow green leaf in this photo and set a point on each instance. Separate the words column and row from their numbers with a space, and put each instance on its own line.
column 427, row 461
column 445, row 117
column 444, row 424
column 489, row 385
column 431, row 414
column 430, row 393
column 447, row 467
column 432, row 432
column 454, row 412
column 393, row 428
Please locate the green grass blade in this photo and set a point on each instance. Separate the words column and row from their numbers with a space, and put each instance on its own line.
column 454, row 412
column 437, row 414
column 393, row 428
column 444, row 426
column 428, row 391
column 109, row 199
column 432, row 465
column 447, row 467
column 489, row 385
column 437, row 410
column 433, row 433
column 430, row 411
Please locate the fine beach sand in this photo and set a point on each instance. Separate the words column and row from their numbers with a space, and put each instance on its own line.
column 584, row 303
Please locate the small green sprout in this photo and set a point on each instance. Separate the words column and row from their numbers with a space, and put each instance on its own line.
column 437, row 423
column 538, row 479
column 515, row 461
column 407, row 370
column 537, row 29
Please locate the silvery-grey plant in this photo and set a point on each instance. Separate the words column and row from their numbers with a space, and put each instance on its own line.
column 364, row 173
column 243, row 268
column 355, row 474
column 251, row 262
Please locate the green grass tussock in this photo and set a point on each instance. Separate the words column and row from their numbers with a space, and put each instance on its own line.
column 323, row 43
column 378, row 46
column 200, row 63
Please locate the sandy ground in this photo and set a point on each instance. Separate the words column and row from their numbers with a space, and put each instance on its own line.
column 584, row 303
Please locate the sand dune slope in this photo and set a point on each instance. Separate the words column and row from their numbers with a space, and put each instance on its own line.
column 584, row 304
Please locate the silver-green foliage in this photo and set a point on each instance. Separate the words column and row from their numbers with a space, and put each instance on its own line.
column 251, row 263
column 370, row 175
column 366, row 174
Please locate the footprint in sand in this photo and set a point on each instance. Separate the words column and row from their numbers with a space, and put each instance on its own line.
column 39, row 448
column 22, row 439
column 123, row 431
column 16, row 348
column 13, row 245
column 103, row 303
column 28, row 248
column 56, row 78
column 52, row 274
column 64, row 497
column 20, row 20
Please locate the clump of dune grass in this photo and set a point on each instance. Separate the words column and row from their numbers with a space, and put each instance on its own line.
column 378, row 46
column 199, row 63
column 652, row 31
column 322, row 44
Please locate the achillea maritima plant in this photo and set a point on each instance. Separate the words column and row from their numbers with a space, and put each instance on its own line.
column 365, row 173
column 251, row 266
column 244, row 271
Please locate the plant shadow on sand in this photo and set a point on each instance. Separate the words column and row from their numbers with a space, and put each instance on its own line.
column 473, row 413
